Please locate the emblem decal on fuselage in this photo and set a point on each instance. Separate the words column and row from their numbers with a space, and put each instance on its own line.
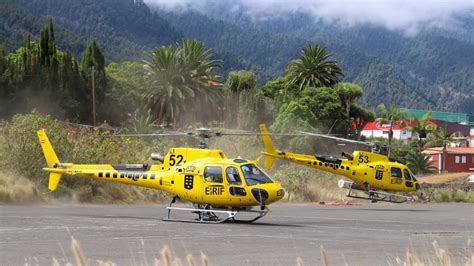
column 378, row 174
column 188, row 182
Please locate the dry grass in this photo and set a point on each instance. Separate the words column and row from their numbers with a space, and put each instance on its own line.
column 303, row 184
column 17, row 189
column 443, row 178
column 438, row 257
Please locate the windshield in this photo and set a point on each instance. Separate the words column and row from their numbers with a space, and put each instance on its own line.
column 412, row 175
column 253, row 175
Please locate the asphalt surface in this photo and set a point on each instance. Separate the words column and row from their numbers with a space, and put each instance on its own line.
column 135, row 234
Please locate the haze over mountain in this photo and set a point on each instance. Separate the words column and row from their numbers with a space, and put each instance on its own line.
column 420, row 56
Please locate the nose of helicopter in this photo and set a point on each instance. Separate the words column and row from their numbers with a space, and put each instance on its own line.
column 268, row 192
column 417, row 186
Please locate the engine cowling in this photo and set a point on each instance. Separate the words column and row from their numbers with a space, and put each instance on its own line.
column 157, row 157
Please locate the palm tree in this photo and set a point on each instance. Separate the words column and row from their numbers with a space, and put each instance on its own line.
column 177, row 75
column 441, row 138
column 422, row 127
column 392, row 116
column 313, row 69
column 348, row 92
column 419, row 162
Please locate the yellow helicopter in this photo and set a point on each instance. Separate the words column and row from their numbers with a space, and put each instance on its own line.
column 371, row 172
column 218, row 187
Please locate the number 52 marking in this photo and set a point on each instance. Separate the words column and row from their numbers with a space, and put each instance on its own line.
column 173, row 160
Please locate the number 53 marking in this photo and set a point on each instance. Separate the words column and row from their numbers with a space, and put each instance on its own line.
column 363, row 159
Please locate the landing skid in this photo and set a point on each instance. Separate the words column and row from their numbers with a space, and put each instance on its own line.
column 209, row 215
column 375, row 196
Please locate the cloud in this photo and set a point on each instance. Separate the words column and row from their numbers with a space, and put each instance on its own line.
column 405, row 15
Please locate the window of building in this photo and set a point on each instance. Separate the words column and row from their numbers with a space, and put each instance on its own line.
column 463, row 159
column 213, row 174
column 233, row 176
column 457, row 159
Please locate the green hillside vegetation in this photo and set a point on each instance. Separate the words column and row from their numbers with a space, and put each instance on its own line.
column 411, row 71
column 38, row 75
column 434, row 63
column 125, row 28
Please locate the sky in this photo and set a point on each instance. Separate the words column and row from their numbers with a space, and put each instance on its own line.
column 405, row 15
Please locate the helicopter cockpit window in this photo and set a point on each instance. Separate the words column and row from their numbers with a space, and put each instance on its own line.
column 396, row 172
column 407, row 175
column 253, row 175
column 412, row 175
column 213, row 174
column 233, row 176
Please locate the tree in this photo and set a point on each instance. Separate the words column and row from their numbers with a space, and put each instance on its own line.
column 421, row 127
column 3, row 68
column 360, row 117
column 419, row 162
column 441, row 138
column 313, row 69
column 280, row 92
column 316, row 108
column 392, row 116
column 179, row 74
column 93, row 60
column 245, row 106
column 348, row 92
column 126, row 84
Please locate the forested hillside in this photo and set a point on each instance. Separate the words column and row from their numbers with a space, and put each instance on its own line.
column 430, row 70
column 436, row 63
column 125, row 28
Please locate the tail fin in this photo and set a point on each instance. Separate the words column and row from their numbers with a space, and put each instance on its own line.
column 269, row 148
column 51, row 159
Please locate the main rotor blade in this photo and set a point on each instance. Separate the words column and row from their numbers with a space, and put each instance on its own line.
column 210, row 134
column 152, row 135
column 260, row 134
column 336, row 138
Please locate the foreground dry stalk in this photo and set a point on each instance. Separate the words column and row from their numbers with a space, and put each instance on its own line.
column 190, row 259
column 441, row 257
column 105, row 263
column 78, row 253
column 166, row 257
column 324, row 257
column 204, row 260
column 299, row 261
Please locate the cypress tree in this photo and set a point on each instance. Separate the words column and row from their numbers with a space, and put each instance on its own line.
column 93, row 57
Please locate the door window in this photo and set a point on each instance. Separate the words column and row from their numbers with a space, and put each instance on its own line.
column 396, row 172
column 233, row 176
column 213, row 174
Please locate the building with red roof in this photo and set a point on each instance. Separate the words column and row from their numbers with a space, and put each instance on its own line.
column 458, row 159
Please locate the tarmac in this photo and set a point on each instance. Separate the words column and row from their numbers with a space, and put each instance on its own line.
column 372, row 234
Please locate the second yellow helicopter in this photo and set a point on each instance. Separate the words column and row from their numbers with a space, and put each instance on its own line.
column 370, row 172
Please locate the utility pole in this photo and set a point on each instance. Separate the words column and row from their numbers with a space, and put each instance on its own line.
column 93, row 98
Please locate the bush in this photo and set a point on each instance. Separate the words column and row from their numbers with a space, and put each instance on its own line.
column 22, row 155
column 305, row 184
column 450, row 195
